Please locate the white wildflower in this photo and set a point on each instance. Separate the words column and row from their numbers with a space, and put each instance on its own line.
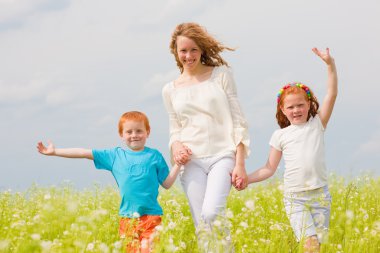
column 47, row 196
column 250, row 205
column 104, row 248
column 182, row 245
column 217, row 223
column 229, row 214
column 276, row 227
column 19, row 223
column 117, row 245
column 172, row 225
column 349, row 214
column 376, row 226
column 46, row 245
column 72, row 206
column 90, row 246
column 4, row 244
column 244, row 224
column 35, row 237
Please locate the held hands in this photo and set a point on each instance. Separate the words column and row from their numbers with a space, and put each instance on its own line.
column 325, row 56
column 239, row 178
column 181, row 153
column 49, row 150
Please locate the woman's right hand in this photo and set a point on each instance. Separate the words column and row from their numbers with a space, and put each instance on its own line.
column 181, row 153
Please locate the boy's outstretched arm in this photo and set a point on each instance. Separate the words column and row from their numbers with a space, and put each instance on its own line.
column 332, row 86
column 50, row 150
column 170, row 179
column 268, row 169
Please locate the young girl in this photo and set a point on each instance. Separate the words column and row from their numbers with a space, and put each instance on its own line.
column 300, row 140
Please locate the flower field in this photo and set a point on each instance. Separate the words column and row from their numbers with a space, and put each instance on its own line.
column 63, row 219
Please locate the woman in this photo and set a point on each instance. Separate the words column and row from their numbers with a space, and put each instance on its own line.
column 208, row 131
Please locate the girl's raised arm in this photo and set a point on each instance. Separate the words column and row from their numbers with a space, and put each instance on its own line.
column 332, row 86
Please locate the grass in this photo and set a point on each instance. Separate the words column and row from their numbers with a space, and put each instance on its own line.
column 63, row 219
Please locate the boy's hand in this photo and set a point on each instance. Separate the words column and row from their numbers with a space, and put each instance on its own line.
column 49, row 150
column 325, row 56
column 181, row 153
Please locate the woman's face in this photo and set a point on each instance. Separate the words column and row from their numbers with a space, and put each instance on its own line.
column 189, row 53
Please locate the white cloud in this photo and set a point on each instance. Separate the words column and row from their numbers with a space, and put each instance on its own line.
column 17, row 11
column 16, row 92
column 371, row 146
column 155, row 84
column 61, row 96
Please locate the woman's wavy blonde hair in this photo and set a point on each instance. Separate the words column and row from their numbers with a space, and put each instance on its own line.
column 210, row 47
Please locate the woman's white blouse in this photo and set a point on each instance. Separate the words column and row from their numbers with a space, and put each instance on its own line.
column 207, row 116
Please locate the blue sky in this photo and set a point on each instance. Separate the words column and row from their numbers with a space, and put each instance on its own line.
column 69, row 69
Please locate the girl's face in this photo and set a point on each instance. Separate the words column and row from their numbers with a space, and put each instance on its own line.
column 296, row 108
column 134, row 134
column 189, row 53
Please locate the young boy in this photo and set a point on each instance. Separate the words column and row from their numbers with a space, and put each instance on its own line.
column 138, row 171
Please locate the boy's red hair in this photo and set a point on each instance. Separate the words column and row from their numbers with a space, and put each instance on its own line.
column 134, row 116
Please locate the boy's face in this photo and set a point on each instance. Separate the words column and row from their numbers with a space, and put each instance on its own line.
column 134, row 134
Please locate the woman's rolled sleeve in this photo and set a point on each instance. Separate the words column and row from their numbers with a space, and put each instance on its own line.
column 241, row 134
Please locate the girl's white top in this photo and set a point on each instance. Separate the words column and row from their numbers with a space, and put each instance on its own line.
column 207, row 116
column 303, row 150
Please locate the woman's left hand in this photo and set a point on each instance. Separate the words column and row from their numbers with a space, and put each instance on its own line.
column 239, row 178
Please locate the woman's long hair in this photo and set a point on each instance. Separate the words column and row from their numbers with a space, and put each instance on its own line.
column 211, row 48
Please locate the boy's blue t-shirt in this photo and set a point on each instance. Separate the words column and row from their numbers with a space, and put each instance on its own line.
column 138, row 175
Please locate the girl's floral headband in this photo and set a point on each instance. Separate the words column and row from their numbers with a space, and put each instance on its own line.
column 300, row 85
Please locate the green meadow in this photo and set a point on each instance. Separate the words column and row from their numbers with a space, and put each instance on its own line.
column 64, row 219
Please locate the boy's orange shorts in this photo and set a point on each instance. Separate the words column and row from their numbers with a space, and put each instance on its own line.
column 135, row 230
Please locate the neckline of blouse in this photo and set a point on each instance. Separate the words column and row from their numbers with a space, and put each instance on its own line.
column 199, row 83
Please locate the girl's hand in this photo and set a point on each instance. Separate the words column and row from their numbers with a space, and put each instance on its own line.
column 325, row 56
column 49, row 150
column 181, row 153
column 238, row 183
column 239, row 178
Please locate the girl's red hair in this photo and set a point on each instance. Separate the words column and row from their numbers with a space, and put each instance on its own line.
column 282, row 120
